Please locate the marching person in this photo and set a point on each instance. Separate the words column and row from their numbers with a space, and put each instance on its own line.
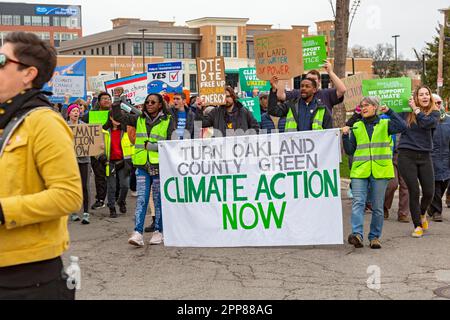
column 370, row 145
column 441, row 163
column 41, row 184
column 414, row 160
column 155, row 124
column 183, row 117
column 74, row 114
column 303, row 114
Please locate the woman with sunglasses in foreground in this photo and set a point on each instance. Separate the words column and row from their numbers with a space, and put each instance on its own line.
column 155, row 124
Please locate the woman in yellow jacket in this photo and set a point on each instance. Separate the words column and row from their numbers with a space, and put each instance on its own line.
column 41, row 183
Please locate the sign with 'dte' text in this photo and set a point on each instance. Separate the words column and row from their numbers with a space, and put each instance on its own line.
column 254, row 106
column 89, row 140
column 279, row 54
column 211, row 80
column 260, row 190
column 393, row 92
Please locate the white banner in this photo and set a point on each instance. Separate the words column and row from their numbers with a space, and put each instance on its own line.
column 98, row 83
column 266, row 190
column 75, row 86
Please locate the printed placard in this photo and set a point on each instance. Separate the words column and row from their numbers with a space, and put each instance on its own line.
column 393, row 92
column 165, row 77
column 135, row 88
column 314, row 52
column 253, row 105
column 249, row 80
column 211, row 80
column 73, row 85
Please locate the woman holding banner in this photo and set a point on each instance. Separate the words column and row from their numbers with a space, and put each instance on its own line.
column 155, row 124
column 414, row 160
column 74, row 113
column 370, row 146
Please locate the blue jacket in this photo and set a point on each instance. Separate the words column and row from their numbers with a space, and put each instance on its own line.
column 268, row 124
column 441, row 150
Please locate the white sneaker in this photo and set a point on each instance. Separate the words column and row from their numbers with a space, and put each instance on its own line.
column 137, row 240
column 134, row 194
column 157, row 238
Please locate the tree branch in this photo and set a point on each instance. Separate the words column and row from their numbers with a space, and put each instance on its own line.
column 332, row 8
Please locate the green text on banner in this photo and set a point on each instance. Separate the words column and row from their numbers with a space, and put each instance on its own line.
column 393, row 92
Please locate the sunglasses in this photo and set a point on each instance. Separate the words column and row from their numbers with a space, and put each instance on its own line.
column 151, row 102
column 4, row 61
column 439, row 102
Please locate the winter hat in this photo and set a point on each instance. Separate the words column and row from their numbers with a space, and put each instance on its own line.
column 71, row 107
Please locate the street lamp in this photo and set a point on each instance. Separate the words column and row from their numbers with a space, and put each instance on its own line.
column 143, row 49
column 396, row 55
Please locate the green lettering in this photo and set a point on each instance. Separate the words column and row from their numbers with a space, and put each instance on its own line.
column 224, row 185
column 278, row 196
column 179, row 199
column 295, row 176
column 237, row 188
column 313, row 193
column 213, row 189
column 196, row 193
column 330, row 184
column 305, row 185
column 166, row 190
column 263, row 188
column 228, row 217
column 272, row 212
column 255, row 213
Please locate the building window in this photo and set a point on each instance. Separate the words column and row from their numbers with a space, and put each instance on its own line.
column 84, row 52
column 192, row 51
column 57, row 39
column 227, row 46
column 110, row 50
column 124, row 52
column 137, row 48
column 193, row 82
column 149, row 49
column 168, row 50
column 103, row 51
column 56, row 22
column 46, row 21
column 16, row 21
column 26, row 20
column 119, row 49
column 250, row 50
column 179, row 52
column 97, row 51
column 36, row 21
column 92, row 52
column 7, row 20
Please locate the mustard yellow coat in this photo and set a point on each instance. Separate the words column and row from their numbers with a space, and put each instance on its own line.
column 40, row 186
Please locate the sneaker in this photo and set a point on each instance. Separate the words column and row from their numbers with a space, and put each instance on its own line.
column 86, row 217
column 425, row 224
column 157, row 238
column 123, row 208
column 134, row 194
column 98, row 205
column 403, row 219
column 418, row 233
column 74, row 217
column 112, row 213
column 437, row 217
column 150, row 229
column 137, row 240
column 356, row 240
column 375, row 244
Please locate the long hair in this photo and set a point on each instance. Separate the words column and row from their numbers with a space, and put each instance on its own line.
column 412, row 118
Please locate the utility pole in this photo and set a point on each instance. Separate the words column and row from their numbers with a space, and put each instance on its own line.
column 396, row 48
column 143, row 49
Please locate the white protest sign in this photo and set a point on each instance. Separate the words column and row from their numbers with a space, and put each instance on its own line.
column 262, row 190
column 98, row 83
column 135, row 87
column 75, row 86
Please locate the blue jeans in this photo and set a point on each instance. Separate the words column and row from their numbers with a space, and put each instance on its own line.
column 145, row 183
column 363, row 189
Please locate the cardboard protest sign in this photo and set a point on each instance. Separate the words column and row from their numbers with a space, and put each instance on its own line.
column 279, row 54
column 211, row 80
column 73, row 85
column 89, row 140
column 354, row 93
column 165, row 77
column 249, row 81
column 253, row 105
column 393, row 92
column 98, row 117
column 314, row 52
column 135, row 88
column 97, row 83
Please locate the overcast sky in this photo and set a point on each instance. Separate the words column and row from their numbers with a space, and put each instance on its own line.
column 376, row 21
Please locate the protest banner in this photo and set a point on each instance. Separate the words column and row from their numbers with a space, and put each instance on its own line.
column 279, row 54
column 260, row 190
column 72, row 85
column 165, row 77
column 249, row 81
column 97, row 84
column 89, row 140
column 354, row 93
column 98, row 117
column 314, row 52
column 135, row 88
column 254, row 106
column 76, row 68
column 211, row 80
column 393, row 92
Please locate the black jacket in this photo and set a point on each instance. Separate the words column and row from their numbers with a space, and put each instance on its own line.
column 190, row 119
column 217, row 119
column 282, row 110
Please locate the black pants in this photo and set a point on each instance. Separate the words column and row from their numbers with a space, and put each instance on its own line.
column 439, row 192
column 100, row 179
column 417, row 167
column 84, row 172
column 133, row 181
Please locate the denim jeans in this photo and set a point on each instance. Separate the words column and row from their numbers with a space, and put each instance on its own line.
column 145, row 183
column 360, row 188
column 124, row 182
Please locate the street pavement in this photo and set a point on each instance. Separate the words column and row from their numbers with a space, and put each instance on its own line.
column 112, row 269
